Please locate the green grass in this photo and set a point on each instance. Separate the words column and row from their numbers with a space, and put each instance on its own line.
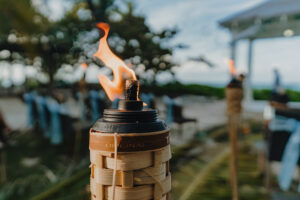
column 25, row 182
column 73, row 178
column 215, row 183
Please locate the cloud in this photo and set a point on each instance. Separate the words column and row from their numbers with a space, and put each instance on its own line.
column 53, row 9
column 198, row 24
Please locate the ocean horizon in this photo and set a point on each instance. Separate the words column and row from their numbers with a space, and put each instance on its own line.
column 291, row 86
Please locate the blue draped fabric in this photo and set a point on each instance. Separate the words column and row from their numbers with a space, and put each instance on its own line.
column 55, row 121
column 81, row 97
column 95, row 96
column 169, row 114
column 115, row 103
column 280, row 123
column 289, row 159
column 29, row 100
column 147, row 98
column 276, row 82
column 41, row 107
column 291, row 152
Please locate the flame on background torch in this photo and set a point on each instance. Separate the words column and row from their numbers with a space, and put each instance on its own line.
column 84, row 65
column 232, row 68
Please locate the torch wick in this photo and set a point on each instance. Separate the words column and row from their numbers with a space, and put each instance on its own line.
column 132, row 88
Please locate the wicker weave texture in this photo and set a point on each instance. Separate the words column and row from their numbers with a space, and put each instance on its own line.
column 140, row 175
column 234, row 97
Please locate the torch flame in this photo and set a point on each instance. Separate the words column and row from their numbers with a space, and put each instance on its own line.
column 114, row 89
column 231, row 67
column 84, row 65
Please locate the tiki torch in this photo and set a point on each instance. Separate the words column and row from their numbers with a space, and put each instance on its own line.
column 130, row 152
column 234, row 96
column 129, row 146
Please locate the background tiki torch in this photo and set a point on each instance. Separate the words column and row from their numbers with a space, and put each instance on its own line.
column 130, row 152
column 234, row 96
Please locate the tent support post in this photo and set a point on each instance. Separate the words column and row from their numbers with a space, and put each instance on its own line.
column 248, row 87
column 232, row 51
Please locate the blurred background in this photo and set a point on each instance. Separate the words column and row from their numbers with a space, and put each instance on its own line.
column 181, row 52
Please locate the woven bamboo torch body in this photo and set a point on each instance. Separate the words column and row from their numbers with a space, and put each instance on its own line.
column 234, row 97
column 130, row 153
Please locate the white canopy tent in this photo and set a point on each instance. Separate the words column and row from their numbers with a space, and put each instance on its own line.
column 273, row 18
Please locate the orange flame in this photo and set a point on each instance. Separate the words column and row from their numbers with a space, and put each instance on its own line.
column 114, row 89
column 231, row 67
column 84, row 65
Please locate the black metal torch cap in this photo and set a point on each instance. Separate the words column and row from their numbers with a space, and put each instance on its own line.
column 130, row 117
column 123, row 121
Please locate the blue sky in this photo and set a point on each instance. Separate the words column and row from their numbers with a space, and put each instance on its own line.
column 197, row 21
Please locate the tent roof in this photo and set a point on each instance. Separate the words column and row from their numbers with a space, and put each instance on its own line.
column 273, row 18
column 266, row 10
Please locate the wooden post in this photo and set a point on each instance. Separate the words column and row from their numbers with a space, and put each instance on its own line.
column 268, row 176
column 77, row 142
column 233, row 119
column 232, row 51
column 3, row 177
column 248, row 88
column 233, row 130
column 234, row 96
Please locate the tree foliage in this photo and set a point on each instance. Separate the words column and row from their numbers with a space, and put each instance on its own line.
column 145, row 47
column 28, row 33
